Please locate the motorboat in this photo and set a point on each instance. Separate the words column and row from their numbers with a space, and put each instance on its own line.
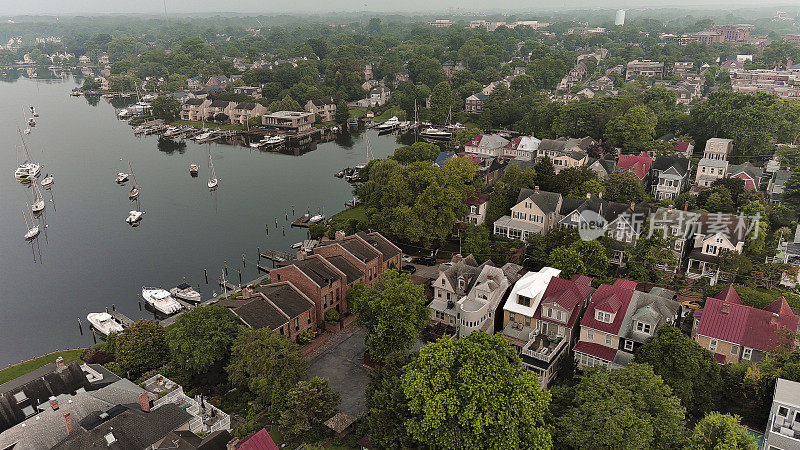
column 193, row 168
column 184, row 291
column 27, row 170
column 316, row 218
column 339, row 174
column 435, row 133
column 274, row 140
column 134, row 217
column 124, row 114
column 297, row 245
column 390, row 124
column 104, row 323
column 47, row 181
column 161, row 300
column 122, row 177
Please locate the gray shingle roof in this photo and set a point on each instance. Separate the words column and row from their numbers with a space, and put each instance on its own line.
column 546, row 201
column 287, row 298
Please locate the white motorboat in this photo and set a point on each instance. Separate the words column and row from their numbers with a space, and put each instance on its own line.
column 274, row 140
column 193, row 168
column 184, row 291
column 390, row 124
column 161, row 300
column 104, row 323
column 212, row 180
column 134, row 217
column 47, row 181
column 122, row 177
column 124, row 114
column 27, row 170
column 435, row 133
column 297, row 245
column 316, row 218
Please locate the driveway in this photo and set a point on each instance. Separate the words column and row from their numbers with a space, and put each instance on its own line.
column 342, row 364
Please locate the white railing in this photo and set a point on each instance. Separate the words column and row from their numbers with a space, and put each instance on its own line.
column 545, row 354
column 178, row 397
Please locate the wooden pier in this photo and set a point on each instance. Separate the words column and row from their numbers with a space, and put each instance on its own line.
column 303, row 221
column 276, row 256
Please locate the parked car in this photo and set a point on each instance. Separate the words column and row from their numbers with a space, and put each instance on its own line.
column 409, row 268
column 425, row 260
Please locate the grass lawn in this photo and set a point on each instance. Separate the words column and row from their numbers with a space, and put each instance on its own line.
column 357, row 111
column 339, row 220
column 22, row 368
column 393, row 111
column 227, row 126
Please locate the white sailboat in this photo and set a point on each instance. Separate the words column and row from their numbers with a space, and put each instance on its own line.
column 28, row 170
column 212, row 180
column 161, row 300
column 104, row 323
column 134, row 193
column 33, row 228
column 33, row 111
column 38, row 202
column 47, row 181
column 134, row 216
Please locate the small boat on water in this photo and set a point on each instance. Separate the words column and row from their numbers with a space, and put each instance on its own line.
column 134, row 193
column 297, row 245
column 389, row 125
column 161, row 300
column 122, row 177
column 31, row 122
column 27, row 131
column 104, row 323
column 275, row 140
column 38, row 202
column 33, row 111
column 317, row 218
column 184, row 291
column 134, row 216
column 26, row 171
column 435, row 134
column 212, row 180
column 193, row 168
column 47, row 181
column 33, row 228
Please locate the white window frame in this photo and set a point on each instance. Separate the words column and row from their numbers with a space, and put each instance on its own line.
column 712, row 345
column 629, row 345
column 747, row 353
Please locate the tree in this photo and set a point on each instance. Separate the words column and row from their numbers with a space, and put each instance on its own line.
column 690, row 370
column 392, row 311
column 568, row 260
column 342, row 114
column 202, row 337
column 507, row 189
column 634, row 130
column 141, row 347
column 628, row 408
column 286, row 104
column 580, row 257
column 441, row 102
column 624, row 187
column 473, row 393
column 651, row 256
column 167, row 108
column 476, row 242
column 387, row 405
column 267, row 364
column 545, row 173
column 418, row 151
column 308, row 405
column 717, row 431
column 791, row 191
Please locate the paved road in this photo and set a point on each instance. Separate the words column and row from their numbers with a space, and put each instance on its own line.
column 340, row 361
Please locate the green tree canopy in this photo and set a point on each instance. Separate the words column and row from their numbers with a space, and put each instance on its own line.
column 717, row 431
column 308, row 405
column 167, row 108
column 624, row 187
column 141, row 347
column 393, row 312
column 473, row 393
column 418, row 151
column 202, row 337
column 634, row 130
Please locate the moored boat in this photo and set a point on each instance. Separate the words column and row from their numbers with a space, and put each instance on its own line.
column 104, row 323
column 134, row 217
column 161, row 300
column 184, row 291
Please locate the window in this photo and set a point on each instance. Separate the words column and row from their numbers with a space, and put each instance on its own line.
column 747, row 353
column 643, row 327
column 296, row 323
column 524, row 301
column 20, row 397
column 608, row 339
column 110, row 439
column 439, row 293
column 603, row 316
column 734, row 349
column 549, row 312
column 712, row 345
column 629, row 346
column 589, row 334
column 797, row 416
column 512, row 317
column 783, row 411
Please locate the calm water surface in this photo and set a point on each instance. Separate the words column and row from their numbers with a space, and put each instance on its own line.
column 88, row 258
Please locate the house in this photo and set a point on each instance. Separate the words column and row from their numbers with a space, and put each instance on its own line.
column 563, row 153
column 783, row 426
column 490, row 169
column 682, row 67
column 735, row 332
column 536, row 211
column 280, row 307
column 486, row 144
column 243, row 112
column 522, row 304
column 219, row 81
column 474, row 103
column 325, row 107
column 714, row 234
column 602, row 167
column 258, row 441
column 523, row 148
column 442, row 157
column 102, row 60
column 599, row 340
column 604, row 84
column 776, row 185
column 378, row 96
column 478, row 204
column 555, row 326
column 450, row 68
column 472, row 296
column 441, row 23
column 683, row 148
column 194, row 84
column 676, row 225
column 219, row 110
column 670, row 175
column 747, row 172
column 317, row 279
column 646, row 314
column 644, row 68
column 84, row 59
column 291, row 121
column 252, row 91
column 639, row 165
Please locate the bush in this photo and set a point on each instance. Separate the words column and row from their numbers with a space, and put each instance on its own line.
column 306, row 336
column 332, row 316
column 91, row 356
column 115, row 368
column 316, row 230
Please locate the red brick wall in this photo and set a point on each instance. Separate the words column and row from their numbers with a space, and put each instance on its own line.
column 315, row 293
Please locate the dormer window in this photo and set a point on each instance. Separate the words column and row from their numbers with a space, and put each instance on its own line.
column 20, row 397
column 643, row 327
column 461, row 283
column 524, row 301
column 603, row 316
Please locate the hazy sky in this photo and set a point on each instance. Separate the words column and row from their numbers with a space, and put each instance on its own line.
column 19, row 7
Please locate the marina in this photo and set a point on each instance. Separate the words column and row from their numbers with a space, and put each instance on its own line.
column 87, row 257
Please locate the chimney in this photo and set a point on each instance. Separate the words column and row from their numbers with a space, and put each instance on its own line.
column 301, row 255
column 68, row 423
column 247, row 292
column 669, row 208
column 633, row 206
column 340, row 235
column 726, row 308
column 588, row 195
column 60, row 364
column 54, row 404
column 600, row 194
column 686, row 206
column 144, row 401
column 536, row 189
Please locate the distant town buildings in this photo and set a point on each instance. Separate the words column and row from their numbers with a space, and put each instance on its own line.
column 441, row 23
column 619, row 18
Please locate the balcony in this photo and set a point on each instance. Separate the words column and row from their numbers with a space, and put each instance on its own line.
column 543, row 347
column 785, row 427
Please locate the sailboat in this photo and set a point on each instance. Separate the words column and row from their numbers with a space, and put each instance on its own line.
column 134, row 193
column 193, row 168
column 212, row 180
column 33, row 111
column 38, row 202
column 28, row 170
column 47, row 181
column 33, row 229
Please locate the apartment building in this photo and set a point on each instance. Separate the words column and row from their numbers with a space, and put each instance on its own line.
column 317, row 279
column 644, row 68
column 194, row 109
column 293, row 121
column 243, row 112
column 279, row 307
column 783, row 426
column 325, row 107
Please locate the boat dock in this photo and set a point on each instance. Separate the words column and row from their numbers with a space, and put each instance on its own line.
column 276, row 256
column 303, row 221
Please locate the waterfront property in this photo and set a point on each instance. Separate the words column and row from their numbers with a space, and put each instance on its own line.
column 325, row 107
column 292, row 121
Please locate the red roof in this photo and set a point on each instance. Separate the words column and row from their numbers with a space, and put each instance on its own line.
column 681, row 146
column 478, row 199
column 613, row 299
column 259, row 441
column 625, row 283
column 513, row 143
column 731, row 321
column 477, row 160
column 566, row 294
column 638, row 164
column 730, row 295
column 596, row 350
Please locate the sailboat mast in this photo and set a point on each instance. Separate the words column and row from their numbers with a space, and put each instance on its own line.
column 24, row 216
column 25, row 146
column 133, row 177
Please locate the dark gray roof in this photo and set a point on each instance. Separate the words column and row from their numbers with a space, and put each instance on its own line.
column 219, row 104
column 377, row 240
column 247, row 106
column 131, row 429
column 259, row 313
column 546, row 201
column 287, row 298
column 352, row 272
column 317, row 270
column 323, row 101
column 609, row 165
column 751, row 170
column 195, row 101
column 664, row 162
column 364, row 252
